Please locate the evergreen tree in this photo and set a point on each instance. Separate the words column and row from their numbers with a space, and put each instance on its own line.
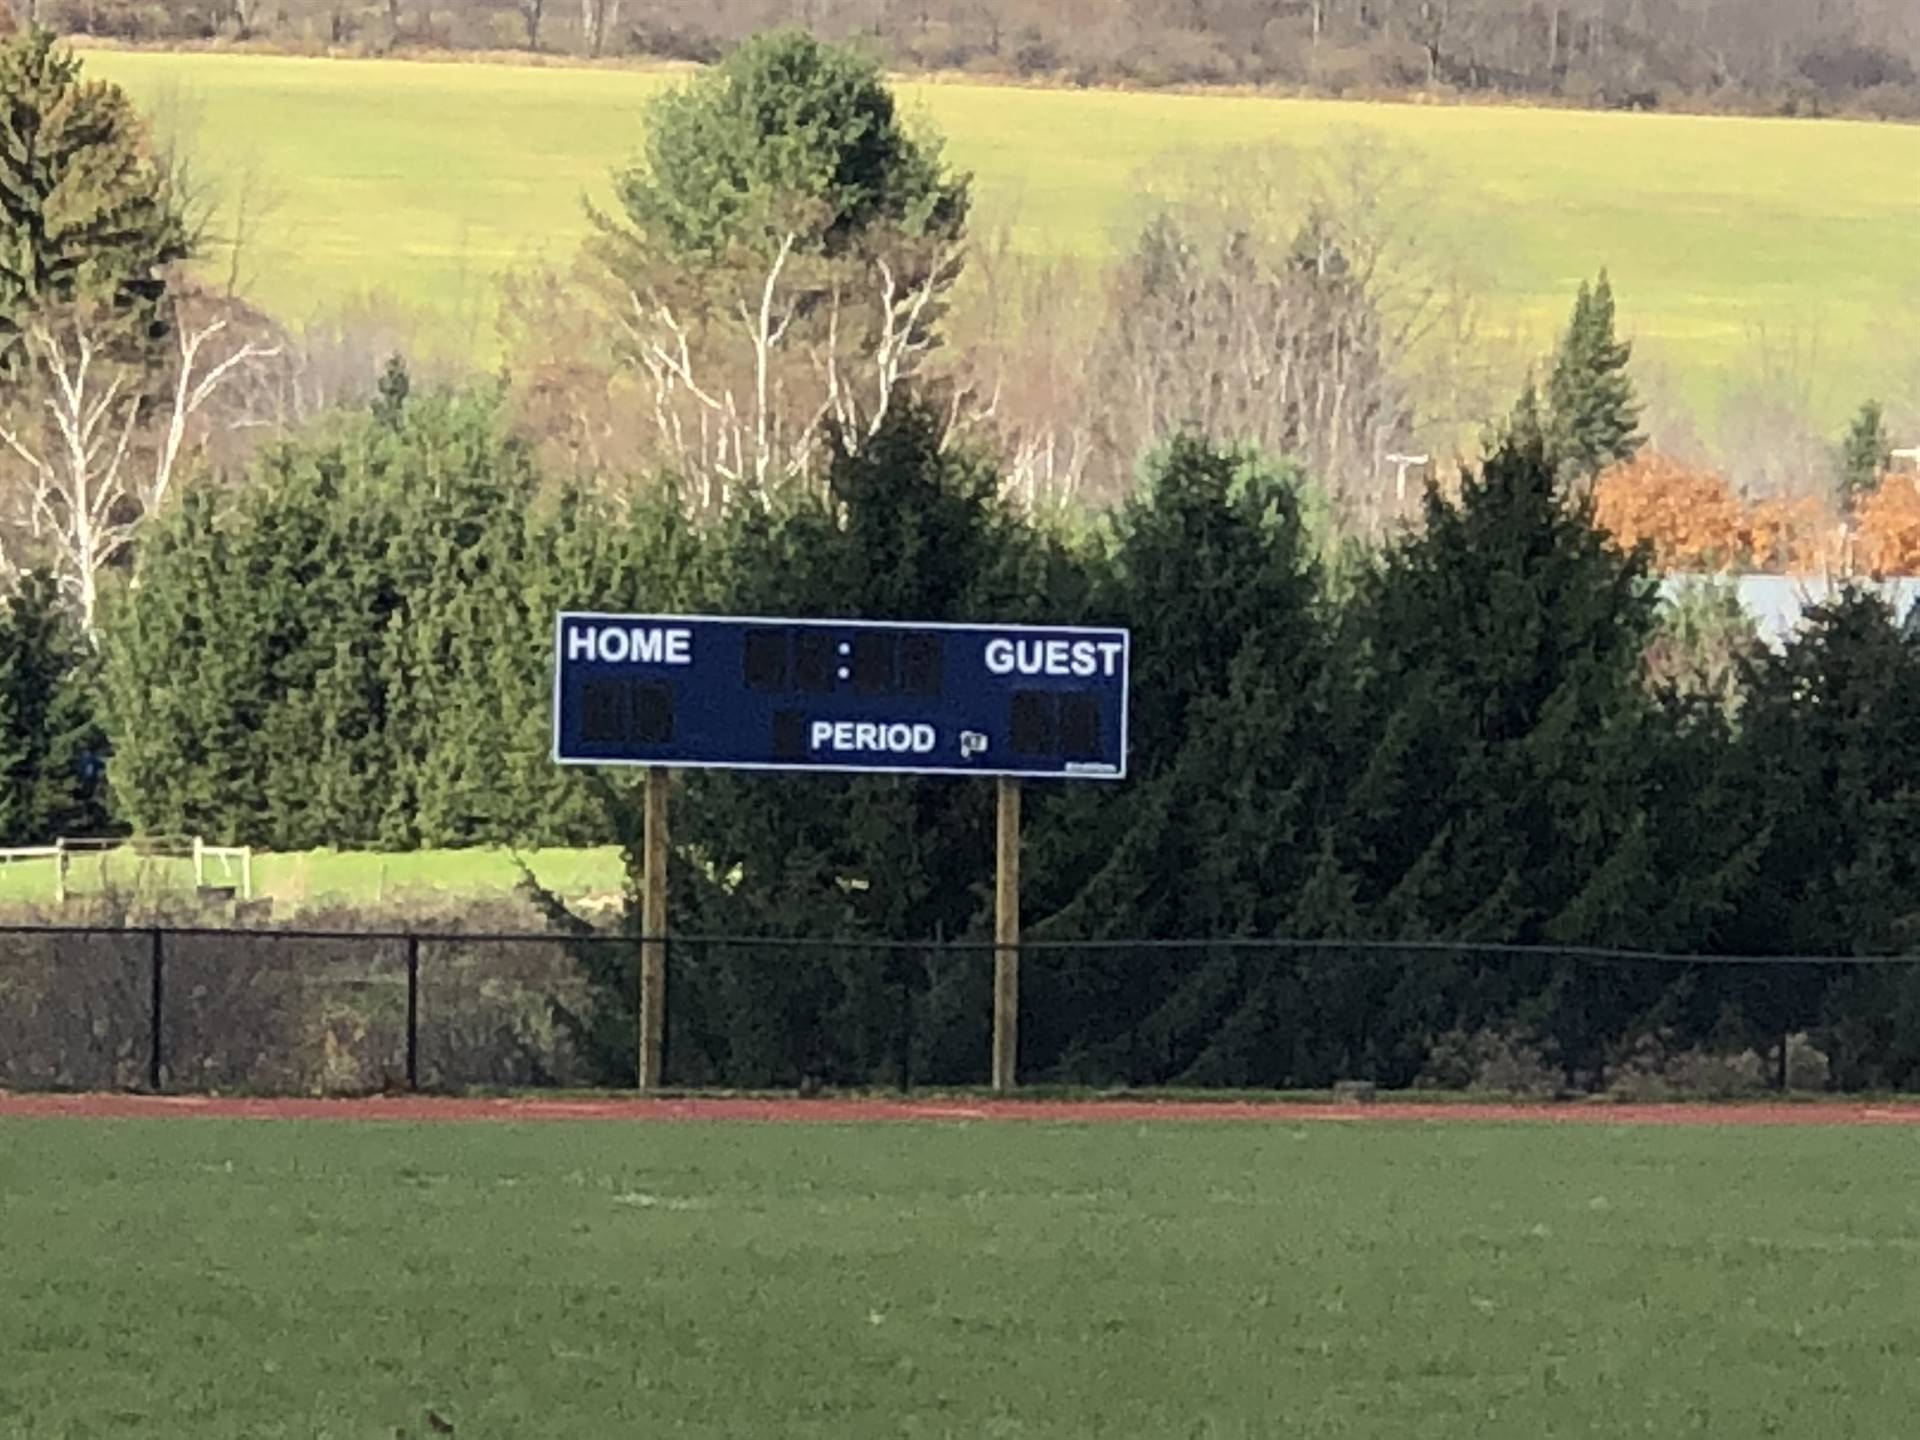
column 1231, row 732
column 1506, row 791
column 787, row 134
column 85, row 210
column 1591, row 412
column 1831, row 727
column 1704, row 641
column 1830, row 740
column 354, row 648
column 908, row 529
column 1865, row 455
column 51, row 781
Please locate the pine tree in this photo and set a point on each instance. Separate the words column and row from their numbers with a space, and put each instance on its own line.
column 1832, row 725
column 1829, row 740
column 1231, row 730
column 86, row 214
column 1591, row 411
column 1506, row 786
column 154, row 673
column 1865, row 455
column 787, row 134
column 314, row 650
column 50, row 747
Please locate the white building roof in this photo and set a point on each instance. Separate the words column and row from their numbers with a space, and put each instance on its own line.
column 1778, row 603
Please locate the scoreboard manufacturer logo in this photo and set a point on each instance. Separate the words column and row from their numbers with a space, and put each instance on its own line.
column 707, row 692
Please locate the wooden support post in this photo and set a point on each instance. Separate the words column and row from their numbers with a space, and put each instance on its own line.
column 246, row 872
column 652, row 1009
column 1006, row 936
column 199, row 862
column 60, row 871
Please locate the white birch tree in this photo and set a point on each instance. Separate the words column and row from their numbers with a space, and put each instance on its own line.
column 96, row 436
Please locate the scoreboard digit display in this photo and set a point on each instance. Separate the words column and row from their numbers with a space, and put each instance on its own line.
column 840, row 695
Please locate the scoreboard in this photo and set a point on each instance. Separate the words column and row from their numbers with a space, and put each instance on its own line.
column 840, row 695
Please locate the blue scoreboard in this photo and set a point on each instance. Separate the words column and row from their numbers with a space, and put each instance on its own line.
column 840, row 695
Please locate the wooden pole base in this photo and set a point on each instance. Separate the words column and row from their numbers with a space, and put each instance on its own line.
column 651, row 1012
column 1006, row 936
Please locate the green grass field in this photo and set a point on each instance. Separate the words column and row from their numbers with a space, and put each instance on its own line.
column 260, row 1279
column 326, row 877
column 427, row 180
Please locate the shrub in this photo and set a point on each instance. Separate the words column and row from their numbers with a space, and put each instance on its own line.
column 1891, row 102
column 1653, row 1066
column 669, row 41
column 1495, row 1061
column 1036, row 56
column 1808, row 1068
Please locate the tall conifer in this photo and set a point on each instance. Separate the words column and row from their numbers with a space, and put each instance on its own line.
column 1592, row 416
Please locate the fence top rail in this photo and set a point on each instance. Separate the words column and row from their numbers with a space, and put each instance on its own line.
column 163, row 847
column 154, row 845
column 1245, row 944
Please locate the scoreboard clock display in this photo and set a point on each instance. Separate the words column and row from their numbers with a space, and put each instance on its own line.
column 843, row 695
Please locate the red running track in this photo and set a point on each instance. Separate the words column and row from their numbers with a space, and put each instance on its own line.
column 415, row 1109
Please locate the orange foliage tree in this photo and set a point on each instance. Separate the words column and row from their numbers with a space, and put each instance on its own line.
column 1694, row 521
column 1791, row 537
column 1691, row 517
column 1887, row 540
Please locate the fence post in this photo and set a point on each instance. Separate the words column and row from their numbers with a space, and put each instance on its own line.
column 413, row 1012
column 246, row 872
column 199, row 862
column 157, row 972
column 60, row 871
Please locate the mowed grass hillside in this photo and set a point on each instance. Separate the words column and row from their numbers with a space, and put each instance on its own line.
column 425, row 181
column 260, row 1279
column 323, row 878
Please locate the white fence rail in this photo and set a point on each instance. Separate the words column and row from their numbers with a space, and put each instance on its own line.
column 63, row 851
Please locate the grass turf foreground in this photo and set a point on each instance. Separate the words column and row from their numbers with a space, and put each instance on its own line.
column 221, row 1278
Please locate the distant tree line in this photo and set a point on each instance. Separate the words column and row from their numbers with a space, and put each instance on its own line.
column 1779, row 56
column 1460, row 736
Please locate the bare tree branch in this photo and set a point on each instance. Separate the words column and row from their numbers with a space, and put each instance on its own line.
column 76, row 430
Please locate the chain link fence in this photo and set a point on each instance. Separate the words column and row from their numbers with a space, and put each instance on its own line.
column 290, row 1012
column 303, row 1013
